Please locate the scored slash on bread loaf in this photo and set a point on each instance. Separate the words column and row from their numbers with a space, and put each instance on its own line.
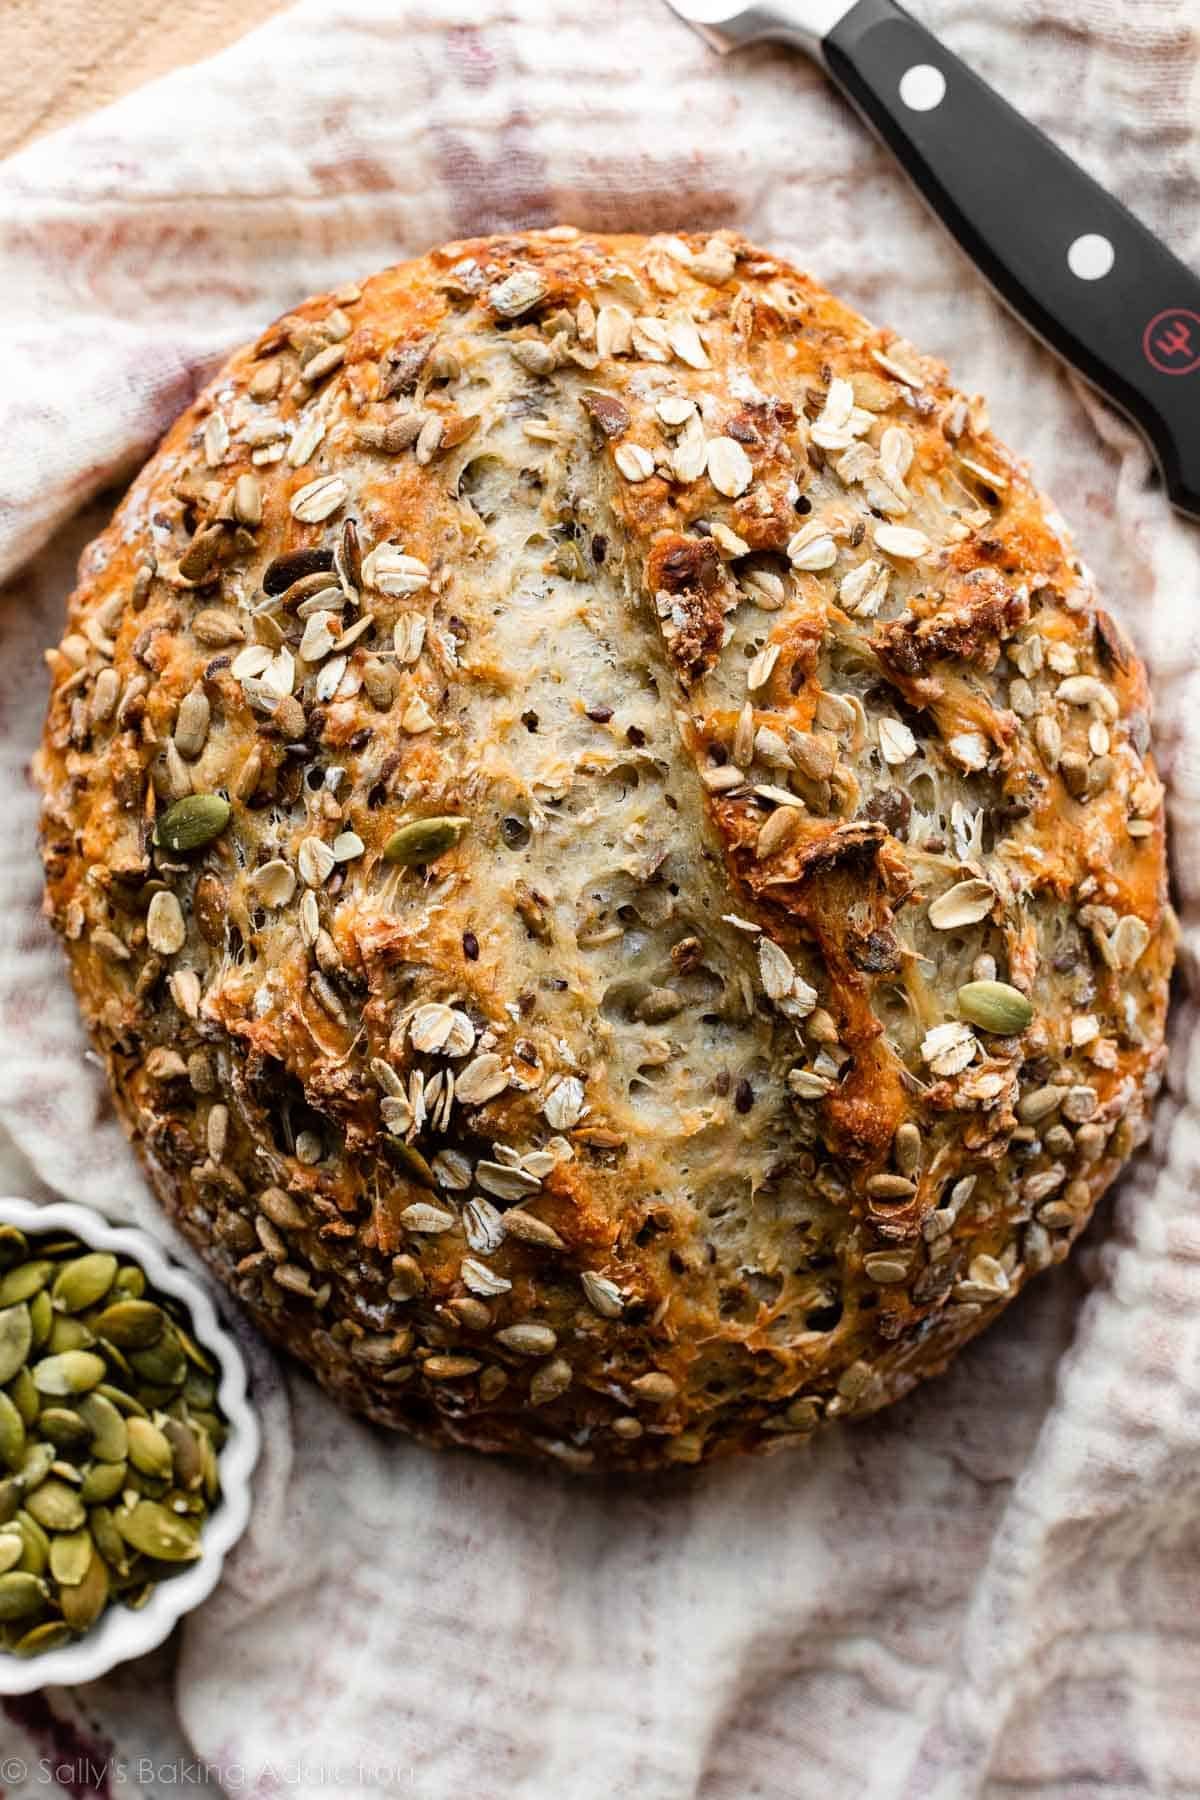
column 610, row 854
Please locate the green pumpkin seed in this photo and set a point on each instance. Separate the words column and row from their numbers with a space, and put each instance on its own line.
column 109, row 1435
column 66, row 1430
column 16, row 1340
column 85, row 1281
column 140, row 1596
column 14, row 1247
column 24, row 1396
column 12, row 1434
column 165, row 1365
column 41, row 1318
column 56, row 1507
column 70, row 1557
column 156, row 1532
column 83, row 1603
column 12, row 1549
column 199, row 1359
column 74, row 1372
column 117, row 1360
column 130, row 1283
column 57, row 1247
column 193, row 822
column 154, row 1487
column 10, row 1498
column 68, row 1333
column 26, row 1280
column 158, row 1399
column 130, row 1324
column 50, row 1636
column 35, row 1466
column 569, row 563
column 21, row 1595
column 187, row 1454
column 102, row 1481
column 36, row 1559
column 200, row 1391
column 127, row 1404
column 109, row 1541
column 995, row 1006
column 410, row 1159
column 212, row 1474
column 149, row 1451
column 422, row 840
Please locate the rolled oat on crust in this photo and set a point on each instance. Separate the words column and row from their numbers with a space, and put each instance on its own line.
column 608, row 848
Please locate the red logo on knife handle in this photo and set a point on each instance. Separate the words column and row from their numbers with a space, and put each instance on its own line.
column 1171, row 341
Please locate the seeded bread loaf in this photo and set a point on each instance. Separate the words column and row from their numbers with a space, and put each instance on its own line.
column 608, row 849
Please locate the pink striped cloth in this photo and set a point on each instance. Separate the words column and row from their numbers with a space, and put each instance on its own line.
column 994, row 1587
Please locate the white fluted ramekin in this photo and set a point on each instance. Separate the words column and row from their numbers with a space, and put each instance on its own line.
column 120, row 1634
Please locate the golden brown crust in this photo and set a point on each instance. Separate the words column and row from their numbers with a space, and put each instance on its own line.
column 651, row 1117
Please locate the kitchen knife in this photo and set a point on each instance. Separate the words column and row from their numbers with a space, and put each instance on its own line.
column 1076, row 267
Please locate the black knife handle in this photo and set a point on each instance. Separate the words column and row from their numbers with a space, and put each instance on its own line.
column 1079, row 269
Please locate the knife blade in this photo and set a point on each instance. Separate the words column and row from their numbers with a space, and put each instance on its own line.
column 1074, row 265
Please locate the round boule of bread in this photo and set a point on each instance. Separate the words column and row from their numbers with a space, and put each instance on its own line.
column 608, row 848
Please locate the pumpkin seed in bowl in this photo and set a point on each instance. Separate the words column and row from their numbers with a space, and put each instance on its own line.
column 110, row 1434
